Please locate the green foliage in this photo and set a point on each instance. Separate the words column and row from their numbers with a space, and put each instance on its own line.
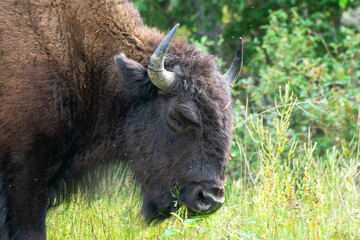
column 323, row 73
column 293, row 193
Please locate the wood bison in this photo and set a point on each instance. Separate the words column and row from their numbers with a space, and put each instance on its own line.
column 83, row 87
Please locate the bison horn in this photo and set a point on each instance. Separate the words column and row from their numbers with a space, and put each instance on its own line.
column 157, row 73
column 233, row 73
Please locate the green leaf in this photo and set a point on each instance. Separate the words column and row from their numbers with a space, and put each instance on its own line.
column 343, row 3
column 170, row 232
column 177, row 216
column 190, row 221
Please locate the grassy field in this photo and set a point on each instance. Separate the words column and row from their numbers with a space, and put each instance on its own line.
column 291, row 195
column 327, row 208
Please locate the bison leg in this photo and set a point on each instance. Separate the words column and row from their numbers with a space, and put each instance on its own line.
column 26, row 200
column 3, row 227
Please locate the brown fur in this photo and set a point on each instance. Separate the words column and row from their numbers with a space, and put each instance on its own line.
column 68, row 110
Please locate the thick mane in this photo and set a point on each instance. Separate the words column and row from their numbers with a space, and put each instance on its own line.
column 81, row 37
column 109, row 27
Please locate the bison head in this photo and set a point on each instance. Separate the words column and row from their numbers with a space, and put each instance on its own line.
column 178, row 128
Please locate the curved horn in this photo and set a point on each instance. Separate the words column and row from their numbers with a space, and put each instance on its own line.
column 233, row 73
column 157, row 73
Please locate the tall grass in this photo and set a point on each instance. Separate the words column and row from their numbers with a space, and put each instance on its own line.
column 289, row 196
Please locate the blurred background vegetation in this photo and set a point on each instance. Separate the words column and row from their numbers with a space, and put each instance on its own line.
column 314, row 46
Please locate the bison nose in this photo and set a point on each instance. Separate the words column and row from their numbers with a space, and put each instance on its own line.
column 209, row 201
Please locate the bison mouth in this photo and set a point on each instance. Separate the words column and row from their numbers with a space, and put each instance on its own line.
column 198, row 201
column 157, row 210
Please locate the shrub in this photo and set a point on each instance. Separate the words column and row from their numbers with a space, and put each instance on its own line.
column 321, row 66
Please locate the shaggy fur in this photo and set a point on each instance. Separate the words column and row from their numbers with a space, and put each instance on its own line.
column 71, row 107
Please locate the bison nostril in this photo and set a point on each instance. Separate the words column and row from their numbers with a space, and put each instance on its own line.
column 204, row 201
column 209, row 202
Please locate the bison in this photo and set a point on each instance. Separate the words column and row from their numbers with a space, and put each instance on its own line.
column 85, row 86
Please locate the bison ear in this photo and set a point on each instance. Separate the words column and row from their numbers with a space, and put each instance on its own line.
column 135, row 77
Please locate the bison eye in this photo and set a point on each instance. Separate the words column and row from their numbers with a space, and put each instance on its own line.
column 178, row 122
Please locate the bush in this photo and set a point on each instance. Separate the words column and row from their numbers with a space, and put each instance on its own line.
column 323, row 71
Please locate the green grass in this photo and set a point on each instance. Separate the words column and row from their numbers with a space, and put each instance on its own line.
column 328, row 209
column 288, row 196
